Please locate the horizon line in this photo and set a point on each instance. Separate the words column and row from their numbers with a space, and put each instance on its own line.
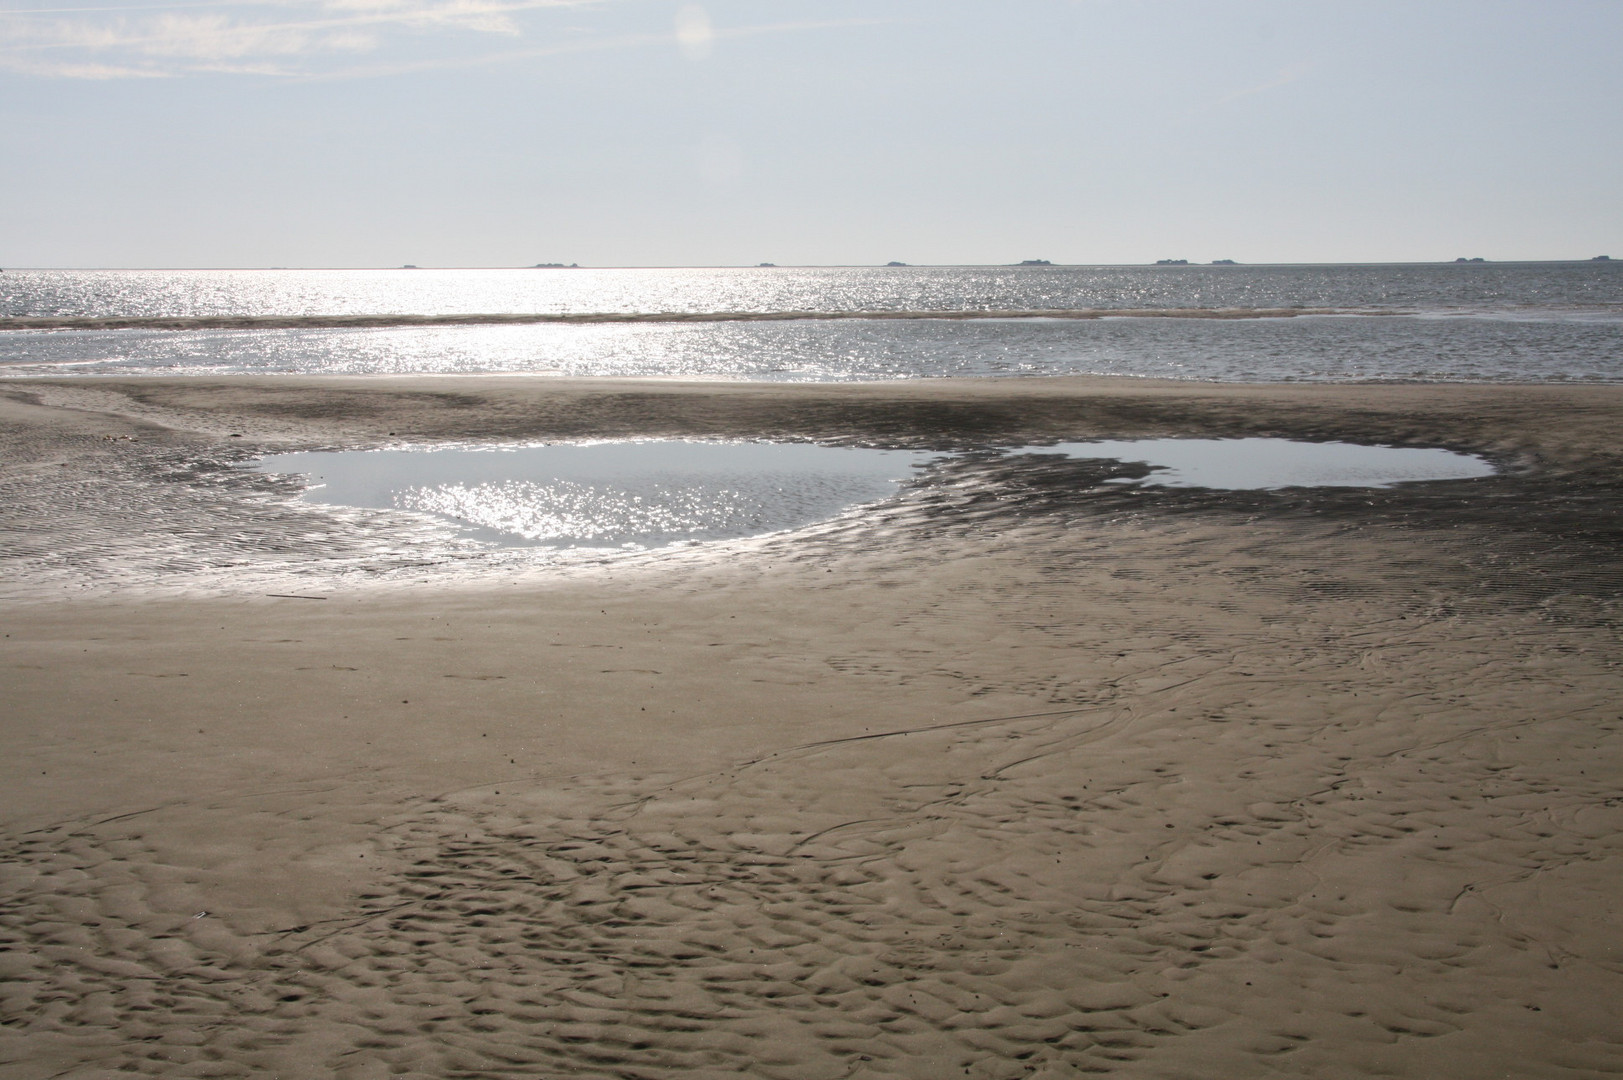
column 1026, row 265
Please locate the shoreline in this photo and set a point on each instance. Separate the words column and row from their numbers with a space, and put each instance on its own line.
column 1016, row 774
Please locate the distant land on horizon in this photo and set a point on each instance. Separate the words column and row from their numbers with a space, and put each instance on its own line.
column 1022, row 264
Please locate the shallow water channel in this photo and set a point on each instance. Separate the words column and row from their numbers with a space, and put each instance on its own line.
column 651, row 493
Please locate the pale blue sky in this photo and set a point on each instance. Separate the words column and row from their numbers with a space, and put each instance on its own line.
column 636, row 132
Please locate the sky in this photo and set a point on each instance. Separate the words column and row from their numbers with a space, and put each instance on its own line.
column 215, row 133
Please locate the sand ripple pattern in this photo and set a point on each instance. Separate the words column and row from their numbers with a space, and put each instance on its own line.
column 1271, row 813
column 976, row 898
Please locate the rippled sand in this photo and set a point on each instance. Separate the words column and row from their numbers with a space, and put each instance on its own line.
column 1020, row 775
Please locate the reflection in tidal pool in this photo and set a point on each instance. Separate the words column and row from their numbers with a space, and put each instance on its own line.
column 1236, row 464
column 651, row 493
column 608, row 495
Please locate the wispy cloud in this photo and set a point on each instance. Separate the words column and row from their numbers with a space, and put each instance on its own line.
column 580, row 45
column 265, row 37
column 317, row 39
column 1285, row 77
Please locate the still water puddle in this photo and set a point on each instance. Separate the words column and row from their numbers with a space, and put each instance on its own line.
column 1241, row 464
column 651, row 493
column 611, row 494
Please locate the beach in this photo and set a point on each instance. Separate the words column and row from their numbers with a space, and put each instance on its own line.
column 1025, row 773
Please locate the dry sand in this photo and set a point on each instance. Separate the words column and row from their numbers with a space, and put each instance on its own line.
column 1019, row 775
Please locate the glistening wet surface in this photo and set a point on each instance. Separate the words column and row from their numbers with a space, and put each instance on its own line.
column 636, row 494
column 1258, row 463
column 651, row 493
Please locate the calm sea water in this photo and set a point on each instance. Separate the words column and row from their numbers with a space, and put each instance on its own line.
column 1474, row 322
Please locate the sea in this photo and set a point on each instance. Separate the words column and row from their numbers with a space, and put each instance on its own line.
column 1444, row 322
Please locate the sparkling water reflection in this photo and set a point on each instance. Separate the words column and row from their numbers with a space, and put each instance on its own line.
column 608, row 495
column 1320, row 349
column 651, row 493
column 1509, row 322
column 1415, row 287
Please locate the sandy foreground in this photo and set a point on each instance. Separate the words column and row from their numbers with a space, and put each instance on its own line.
column 1019, row 775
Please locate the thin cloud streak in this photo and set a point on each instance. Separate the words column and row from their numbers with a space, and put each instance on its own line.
column 451, row 63
column 192, row 42
column 1285, row 78
column 781, row 28
column 629, row 41
column 214, row 42
column 121, row 8
column 205, row 39
column 83, row 35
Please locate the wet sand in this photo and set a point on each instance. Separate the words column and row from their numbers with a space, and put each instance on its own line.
column 1023, row 774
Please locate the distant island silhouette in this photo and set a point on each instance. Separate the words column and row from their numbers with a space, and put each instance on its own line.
column 1034, row 262
column 555, row 266
column 1601, row 258
column 895, row 264
column 1478, row 259
column 766, row 264
column 1224, row 262
column 1171, row 262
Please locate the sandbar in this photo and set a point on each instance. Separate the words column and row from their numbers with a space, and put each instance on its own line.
column 1024, row 773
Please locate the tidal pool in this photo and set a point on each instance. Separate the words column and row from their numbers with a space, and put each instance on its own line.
column 611, row 494
column 651, row 493
column 1239, row 464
